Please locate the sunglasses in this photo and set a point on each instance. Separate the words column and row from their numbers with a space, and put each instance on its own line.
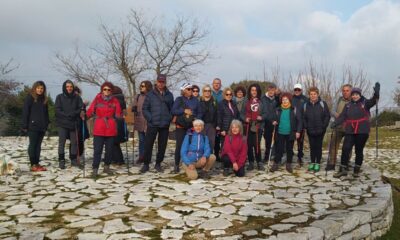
column 195, row 90
column 228, row 94
column 297, row 90
column 142, row 85
column 107, row 89
column 207, row 90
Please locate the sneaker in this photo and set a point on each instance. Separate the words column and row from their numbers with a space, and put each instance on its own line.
column 330, row 167
column 289, row 167
column 176, row 169
column 311, row 167
column 145, row 168
column 35, row 168
column 341, row 173
column 107, row 170
column 226, row 172
column 260, row 166
column 41, row 168
column 158, row 168
column 316, row 167
column 275, row 167
column 250, row 167
column 299, row 163
column 61, row 164
column 95, row 172
column 357, row 170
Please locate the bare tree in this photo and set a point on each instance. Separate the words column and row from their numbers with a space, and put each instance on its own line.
column 396, row 96
column 173, row 51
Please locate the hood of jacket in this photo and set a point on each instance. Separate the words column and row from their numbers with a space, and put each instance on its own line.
column 64, row 88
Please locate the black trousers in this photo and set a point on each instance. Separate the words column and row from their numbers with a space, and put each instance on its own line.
column 281, row 142
column 316, row 147
column 300, row 145
column 180, row 136
column 117, row 156
column 253, row 146
column 228, row 164
column 98, row 143
column 268, row 131
column 350, row 140
column 151, row 135
column 217, row 146
column 35, row 146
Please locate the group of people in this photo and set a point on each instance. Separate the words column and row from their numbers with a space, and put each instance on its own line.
column 215, row 125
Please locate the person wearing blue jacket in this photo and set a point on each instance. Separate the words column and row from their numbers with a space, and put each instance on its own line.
column 196, row 152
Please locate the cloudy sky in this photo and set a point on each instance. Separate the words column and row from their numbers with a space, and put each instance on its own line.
column 244, row 35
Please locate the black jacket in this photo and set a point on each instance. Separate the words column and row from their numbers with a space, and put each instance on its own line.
column 269, row 105
column 157, row 108
column 35, row 115
column 315, row 117
column 296, row 123
column 355, row 116
column 67, row 108
column 209, row 111
column 122, row 131
column 225, row 115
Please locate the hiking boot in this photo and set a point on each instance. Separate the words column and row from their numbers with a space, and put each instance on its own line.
column 226, row 172
column 61, row 161
column 74, row 162
column 250, row 167
column 299, row 163
column 341, row 173
column 357, row 170
column 260, row 166
column 289, row 167
column 176, row 169
column 330, row 167
column 205, row 175
column 317, row 167
column 107, row 169
column 157, row 167
column 274, row 167
column 145, row 168
column 95, row 172
column 311, row 167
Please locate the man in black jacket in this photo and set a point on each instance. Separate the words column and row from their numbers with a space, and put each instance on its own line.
column 68, row 108
column 270, row 103
column 298, row 102
column 157, row 112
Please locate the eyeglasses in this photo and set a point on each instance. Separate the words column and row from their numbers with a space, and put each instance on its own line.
column 195, row 90
column 228, row 94
column 207, row 90
column 297, row 90
column 107, row 89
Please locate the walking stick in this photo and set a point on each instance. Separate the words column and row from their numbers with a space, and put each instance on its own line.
column 329, row 153
column 77, row 145
column 126, row 147
column 376, row 130
column 83, row 150
column 270, row 149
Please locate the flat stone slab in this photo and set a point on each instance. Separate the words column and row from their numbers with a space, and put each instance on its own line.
column 216, row 224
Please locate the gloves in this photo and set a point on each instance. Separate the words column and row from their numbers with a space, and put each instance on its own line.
column 377, row 88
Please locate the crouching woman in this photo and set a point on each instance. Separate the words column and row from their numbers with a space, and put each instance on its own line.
column 196, row 152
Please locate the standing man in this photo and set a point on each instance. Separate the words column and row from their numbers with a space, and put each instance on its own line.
column 68, row 108
column 270, row 103
column 298, row 102
column 157, row 112
column 338, row 132
column 218, row 97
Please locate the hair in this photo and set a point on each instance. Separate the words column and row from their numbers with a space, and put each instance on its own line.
column 240, row 88
column 202, row 91
column 237, row 123
column 226, row 90
column 258, row 88
column 287, row 95
column 217, row 79
column 33, row 91
column 107, row 84
column 148, row 85
column 346, row 85
column 198, row 121
column 195, row 87
column 313, row 89
column 116, row 90
column 77, row 89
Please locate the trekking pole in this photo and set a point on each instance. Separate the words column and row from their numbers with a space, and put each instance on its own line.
column 270, row 149
column 376, row 130
column 126, row 146
column 77, row 145
column 83, row 150
column 329, row 153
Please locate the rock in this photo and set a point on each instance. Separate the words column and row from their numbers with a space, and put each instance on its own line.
column 228, row 209
column 115, row 226
column 142, row 226
column 250, row 233
column 297, row 219
column 332, row 229
column 350, row 202
column 215, row 224
column 281, row 227
column 171, row 234
column 176, row 223
column 350, row 221
column 61, row 233
column 312, row 233
column 118, row 209
column 362, row 232
column 168, row 214
column 92, row 236
column 292, row 236
column 125, row 236
column 243, row 196
column 20, row 209
column 83, row 223
column 69, row 205
column 41, row 213
column 92, row 212
column 267, row 232
column 217, row 232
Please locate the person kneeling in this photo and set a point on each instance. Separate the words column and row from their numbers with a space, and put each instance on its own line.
column 234, row 152
column 196, row 152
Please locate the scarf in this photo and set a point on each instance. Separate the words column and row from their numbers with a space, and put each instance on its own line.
column 106, row 98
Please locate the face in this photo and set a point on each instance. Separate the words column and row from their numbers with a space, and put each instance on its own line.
column 216, row 84
column 239, row 94
column 235, row 129
column 195, row 92
column 271, row 91
column 188, row 92
column 253, row 92
column 143, row 88
column 228, row 95
column 69, row 87
column 207, row 92
column 313, row 96
column 39, row 90
column 160, row 85
column 198, row 127
column 285, row 100
column 297, row 91
column 355, row 97
column 106, row 91
column 346, row 92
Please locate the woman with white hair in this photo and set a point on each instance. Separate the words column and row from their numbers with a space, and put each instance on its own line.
column 196, row 152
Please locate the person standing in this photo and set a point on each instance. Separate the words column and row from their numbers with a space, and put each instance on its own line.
column 355, row 116
column 104, row 108
column 218, row 97
column 68, row 109
column 289, row 126
column 196, row 92
column 122, row 131
column 186, row 108
column 298, row 101
column 35, row 120
column 338, row 132
column 270, row 103
column 209, row 115
column 157, row 112
column 240, row 100
column 140, row 124
column 316, row 118
column 227, row 111
column 254, row 120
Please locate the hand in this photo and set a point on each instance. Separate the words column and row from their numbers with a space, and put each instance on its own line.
column 223, row 133
column 82, row 115
column 191, row 167
column 217, row 128
column 259, row 118
column 377, row 88
column 203, row 161
column 235, row 167
column 298, row 135
column 274, row 123
column 247, row 120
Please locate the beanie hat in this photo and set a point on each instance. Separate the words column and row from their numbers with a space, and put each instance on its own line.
column 287, row 95
column 356, row 90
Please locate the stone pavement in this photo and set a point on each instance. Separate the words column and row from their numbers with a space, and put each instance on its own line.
column 61, row 204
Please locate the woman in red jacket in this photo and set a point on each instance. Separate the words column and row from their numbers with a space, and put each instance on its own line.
column 105, row 108
column 234, row 151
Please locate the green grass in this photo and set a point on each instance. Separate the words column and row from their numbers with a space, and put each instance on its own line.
column 394, row 231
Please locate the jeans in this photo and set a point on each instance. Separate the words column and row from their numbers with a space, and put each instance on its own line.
column 142, row 136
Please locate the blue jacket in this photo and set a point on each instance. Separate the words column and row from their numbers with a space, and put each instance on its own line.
column 196, row 150
column 217, row 96
column 192, row 103
column 157, row 108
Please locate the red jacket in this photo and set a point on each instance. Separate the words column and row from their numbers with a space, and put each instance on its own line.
column 105, row 114
column 235, row 146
